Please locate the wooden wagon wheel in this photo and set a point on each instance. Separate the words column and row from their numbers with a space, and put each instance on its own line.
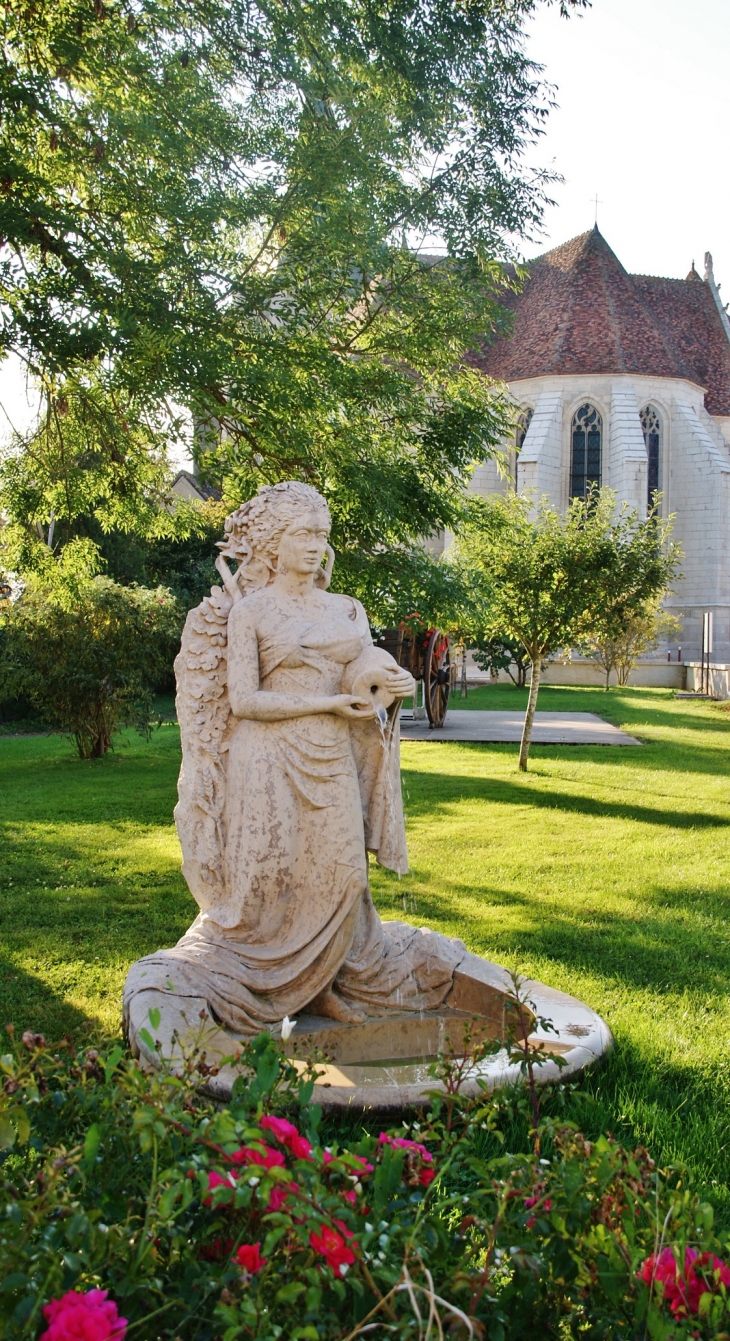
column 437, row 676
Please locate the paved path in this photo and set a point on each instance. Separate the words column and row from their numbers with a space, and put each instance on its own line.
column 550, row 728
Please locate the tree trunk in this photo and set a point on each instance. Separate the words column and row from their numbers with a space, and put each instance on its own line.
column 530, row 714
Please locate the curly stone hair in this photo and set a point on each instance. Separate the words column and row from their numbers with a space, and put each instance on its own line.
column 254, row 531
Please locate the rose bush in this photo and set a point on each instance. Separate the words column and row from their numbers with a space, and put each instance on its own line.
column 132, row 1205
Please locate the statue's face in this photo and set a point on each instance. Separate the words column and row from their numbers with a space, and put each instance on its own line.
column 303, row 544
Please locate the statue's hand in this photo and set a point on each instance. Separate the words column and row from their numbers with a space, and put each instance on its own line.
column 344, row 705
column 400, row 683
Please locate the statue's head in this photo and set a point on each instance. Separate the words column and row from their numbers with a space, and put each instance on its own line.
column 255, row 530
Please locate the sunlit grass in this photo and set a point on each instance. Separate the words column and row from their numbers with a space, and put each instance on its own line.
column 602, row 871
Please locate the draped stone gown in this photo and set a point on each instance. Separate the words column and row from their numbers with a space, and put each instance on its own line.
column 305, row 799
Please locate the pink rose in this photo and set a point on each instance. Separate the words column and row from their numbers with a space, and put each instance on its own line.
column 287, row 1133
column 280, row 1194
column 401, row 1143
column 683, row 1291
column 420, row 1160
column 215, row 1179
column 280, row 1128
column 266, row 1159
column 80, row 1316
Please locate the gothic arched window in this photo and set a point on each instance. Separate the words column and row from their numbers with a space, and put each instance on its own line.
column 651, row 427
column 523, row 423
column 585, row 458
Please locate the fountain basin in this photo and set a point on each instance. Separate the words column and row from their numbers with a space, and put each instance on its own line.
column 383, row 1063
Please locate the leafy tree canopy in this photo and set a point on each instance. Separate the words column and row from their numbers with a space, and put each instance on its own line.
column 550, row 581
column 226, row 206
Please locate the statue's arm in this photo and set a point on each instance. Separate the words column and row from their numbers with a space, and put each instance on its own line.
column 399, row 682
column 260, row 705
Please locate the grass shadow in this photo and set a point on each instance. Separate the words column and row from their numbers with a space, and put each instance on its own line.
column 458, row 787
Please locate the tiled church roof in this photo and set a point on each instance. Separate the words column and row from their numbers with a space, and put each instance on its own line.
column 580, row 312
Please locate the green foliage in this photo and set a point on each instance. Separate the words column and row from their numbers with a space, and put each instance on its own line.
column 86, row 652
column 552, row 581
column 614, row 842
column 496, row 654
column 95, row 469
column 643, row 632
column 140, row 1185
column 223, row 207
column 89, row 457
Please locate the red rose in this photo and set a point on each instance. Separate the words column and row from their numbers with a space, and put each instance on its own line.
column 419, row 1160
column 331, row 1245
column 249, row 1257
column 300, row 1147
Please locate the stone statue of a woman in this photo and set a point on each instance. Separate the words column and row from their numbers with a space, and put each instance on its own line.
column 290, row 775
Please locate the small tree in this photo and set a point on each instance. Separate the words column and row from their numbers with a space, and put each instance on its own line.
column 642, row 634
column 555, row 581
column 87, row 653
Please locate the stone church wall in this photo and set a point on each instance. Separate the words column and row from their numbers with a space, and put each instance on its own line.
column 694, row 475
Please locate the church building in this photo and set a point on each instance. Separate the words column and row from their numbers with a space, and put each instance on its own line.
column 624, row 380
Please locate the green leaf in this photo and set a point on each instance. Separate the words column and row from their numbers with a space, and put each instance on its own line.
column 15, row 1281
column 22, row 1124
column 8, row 1133
column 153, row 1015
column 387, row 1179
column 314, row 1299
column 288, row 1293
column 92, row 1141
column 167, row 1201
column 147, row 1039
column 267, row 1070
column 112, row 1061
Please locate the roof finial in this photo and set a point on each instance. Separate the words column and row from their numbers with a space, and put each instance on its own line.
column 596, row 202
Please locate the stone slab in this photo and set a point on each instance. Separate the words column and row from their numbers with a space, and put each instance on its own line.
column 550, row 728
column 383, row 1064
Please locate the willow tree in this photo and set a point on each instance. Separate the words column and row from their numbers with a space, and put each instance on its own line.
column 225, row 206
column 551, row 581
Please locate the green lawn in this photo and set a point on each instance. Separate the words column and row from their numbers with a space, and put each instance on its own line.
column 603, row 871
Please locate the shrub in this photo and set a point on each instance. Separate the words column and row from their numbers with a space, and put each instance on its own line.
column 502, row 653
column 642, row 634
column 201, row 1222
column 87, row 654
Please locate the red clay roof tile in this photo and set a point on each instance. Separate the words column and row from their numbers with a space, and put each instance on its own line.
column 579, row 311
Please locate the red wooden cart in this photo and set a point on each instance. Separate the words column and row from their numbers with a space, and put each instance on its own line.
column 426, row 653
